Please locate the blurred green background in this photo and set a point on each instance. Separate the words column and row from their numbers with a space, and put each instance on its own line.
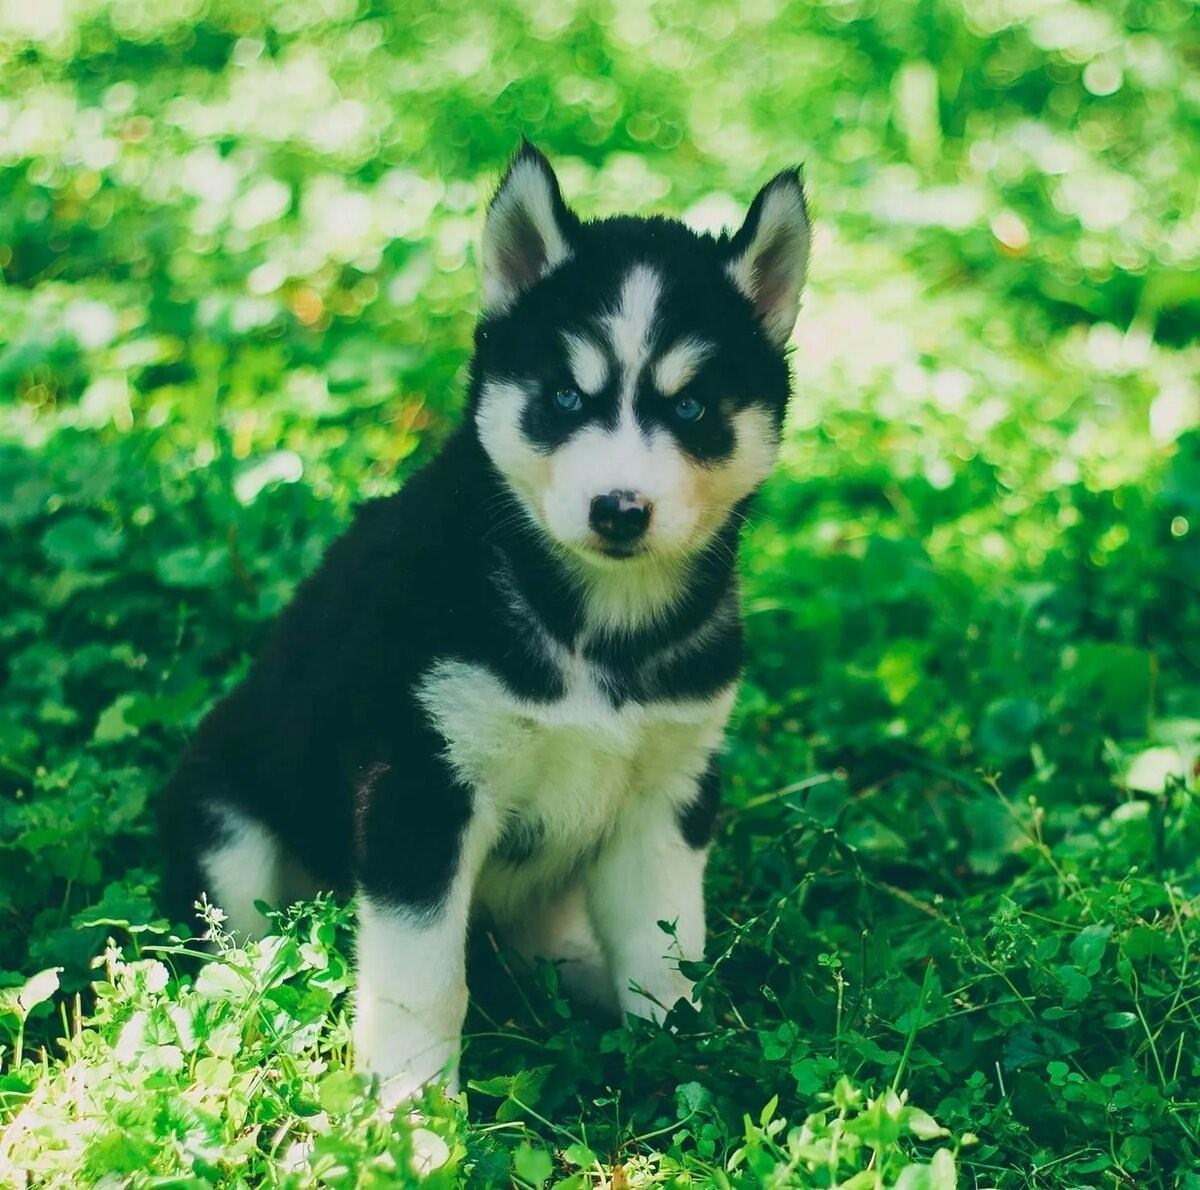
column 238, row 261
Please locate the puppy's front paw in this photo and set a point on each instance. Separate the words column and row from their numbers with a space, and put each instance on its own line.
column 398, row 1089
column 404, row 1055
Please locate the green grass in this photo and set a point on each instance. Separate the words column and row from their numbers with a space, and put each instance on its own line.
column 955, row 899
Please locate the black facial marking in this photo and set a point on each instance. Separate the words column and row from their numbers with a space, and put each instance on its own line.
column 546, row 425
column 709, row 439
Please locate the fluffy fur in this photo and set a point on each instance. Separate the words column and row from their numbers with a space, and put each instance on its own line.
column 505, row 689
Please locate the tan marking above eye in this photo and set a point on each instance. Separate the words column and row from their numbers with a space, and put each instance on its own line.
column 589, row 367
column 678, row 365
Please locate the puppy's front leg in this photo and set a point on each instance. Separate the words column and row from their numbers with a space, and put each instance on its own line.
column 417, row 870
column 412, row 995
column 649, row 872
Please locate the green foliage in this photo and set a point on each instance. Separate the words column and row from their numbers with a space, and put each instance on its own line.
column 955, row 901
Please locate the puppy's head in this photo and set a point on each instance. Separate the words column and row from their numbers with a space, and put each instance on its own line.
column 629, row 380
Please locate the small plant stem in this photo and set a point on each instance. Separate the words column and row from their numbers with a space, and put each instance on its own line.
column 499, row 953
column 1162, row 1074
column 837, row 1034
column 916, row 1024
column 637, row 1140
column 556, row 1128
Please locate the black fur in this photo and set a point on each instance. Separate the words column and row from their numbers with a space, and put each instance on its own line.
column 698, row 820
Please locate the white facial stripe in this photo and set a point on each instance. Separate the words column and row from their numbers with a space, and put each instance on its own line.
column 630, row 326
column 499, row 421
column 598, row 460
column 679, row 365
column 756, row 448
column 588, row 365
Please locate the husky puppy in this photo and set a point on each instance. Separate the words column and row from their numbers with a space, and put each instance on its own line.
column 505, row 689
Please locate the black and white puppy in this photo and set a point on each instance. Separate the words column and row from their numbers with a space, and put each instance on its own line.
column 506, row 687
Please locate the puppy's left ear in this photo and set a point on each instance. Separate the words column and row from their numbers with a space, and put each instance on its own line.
column 768, row 257
column 527, row 231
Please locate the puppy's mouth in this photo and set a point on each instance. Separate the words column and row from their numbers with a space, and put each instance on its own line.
column 616, row 551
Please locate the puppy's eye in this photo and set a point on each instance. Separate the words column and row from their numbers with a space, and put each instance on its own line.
column 568, row 400
column 689, row 409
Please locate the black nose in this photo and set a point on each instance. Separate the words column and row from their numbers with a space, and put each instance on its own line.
column 620, row 517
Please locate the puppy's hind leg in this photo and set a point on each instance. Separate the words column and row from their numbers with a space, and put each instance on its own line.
column 244, row 865
column 215, row 850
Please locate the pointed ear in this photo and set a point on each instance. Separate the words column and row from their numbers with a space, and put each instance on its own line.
column 768, row 257
column 527, row 230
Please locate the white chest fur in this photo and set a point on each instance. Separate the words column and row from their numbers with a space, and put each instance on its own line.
column 561, row 772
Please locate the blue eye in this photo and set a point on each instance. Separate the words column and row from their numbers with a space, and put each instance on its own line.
column 568, row 400
column 689, row 409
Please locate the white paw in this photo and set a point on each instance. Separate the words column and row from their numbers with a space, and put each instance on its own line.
column 655, row 996
column 588, row 983
column 404, row 1054
column 398, row 1089
column 430, row 1151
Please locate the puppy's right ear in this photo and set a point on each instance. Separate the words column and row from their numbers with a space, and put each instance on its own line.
column 527, row 232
